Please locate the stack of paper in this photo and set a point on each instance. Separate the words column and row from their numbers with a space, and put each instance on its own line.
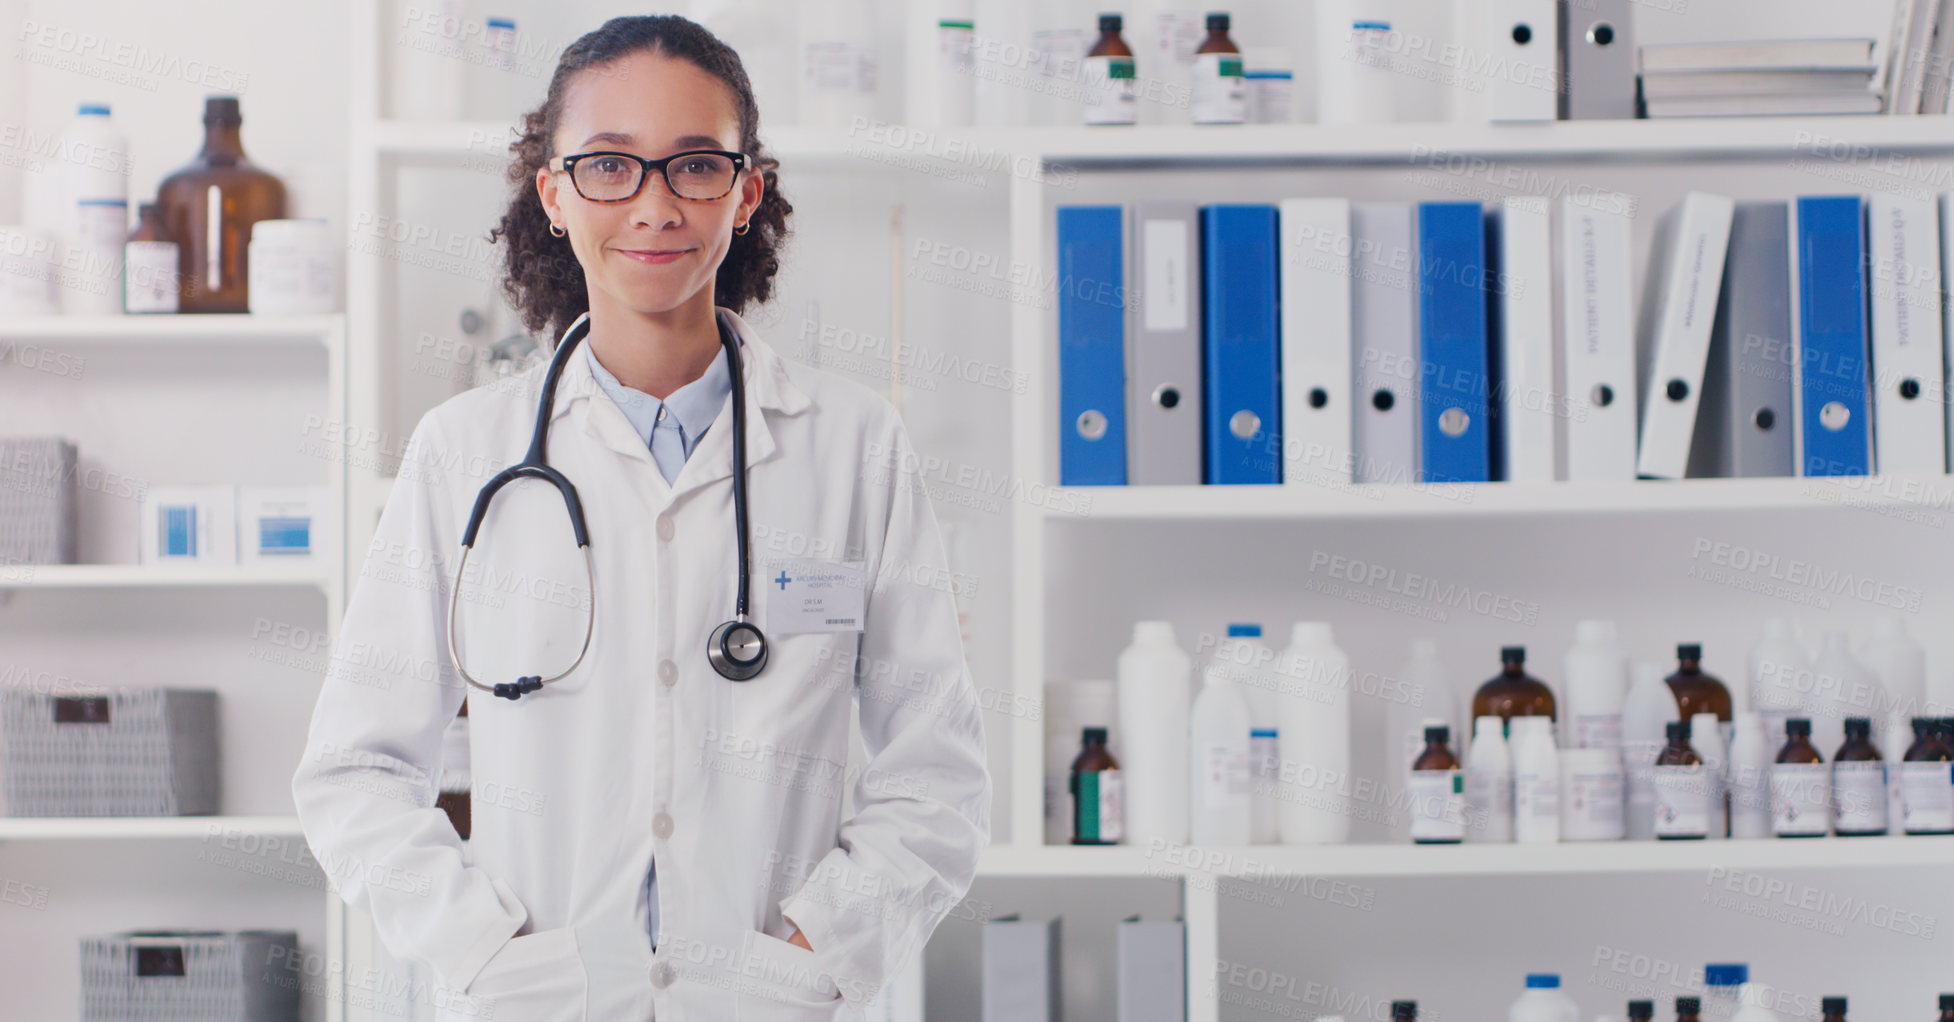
column 1750, row 78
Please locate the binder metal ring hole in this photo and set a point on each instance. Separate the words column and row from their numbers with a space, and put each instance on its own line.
column 1834, row 416
column 1602, row 395
column 1454, row 422
column 1383, row 400
column 1909, row 389
column 1764, row 419
column 1244, row 424
column 1601, row 33
column 1318, row 397
column 1092, row 424
column 1523, row 33
column 1167, row 396
column 1676, row 390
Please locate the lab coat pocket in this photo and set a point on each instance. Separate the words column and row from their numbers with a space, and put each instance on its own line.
column 783, row 982
column 536, row 977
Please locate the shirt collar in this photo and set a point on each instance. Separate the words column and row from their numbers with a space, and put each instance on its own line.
column 696, row 404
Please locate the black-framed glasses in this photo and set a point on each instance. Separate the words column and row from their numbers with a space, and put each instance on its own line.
column 700, row 175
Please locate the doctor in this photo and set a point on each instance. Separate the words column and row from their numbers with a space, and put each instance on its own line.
column 652, row 838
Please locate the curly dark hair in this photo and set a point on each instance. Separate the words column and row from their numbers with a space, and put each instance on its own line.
column 541, row 275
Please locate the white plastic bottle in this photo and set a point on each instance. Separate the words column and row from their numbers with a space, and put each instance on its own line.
column 1314, row 722
column 1251, row 664
column 1780, row 678
column 1155, row 683
column 1218, row 807
column 1749, row 778
column 1706, row 737
column 1488, row 784
column 1722, row 982
column 1536, row 781
column 95, row 163
column 1754, row 1003
column 1646, row 714
column 1597, row 683
column 1543, row 1001
column 1844, row 688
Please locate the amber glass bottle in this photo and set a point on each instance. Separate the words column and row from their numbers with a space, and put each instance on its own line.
column 1833, row 1007
column 1687, row 1008
column 1859, row 783
column 1098, row 809
column 1697, row 692
column 1514, row 693
column 209, row 207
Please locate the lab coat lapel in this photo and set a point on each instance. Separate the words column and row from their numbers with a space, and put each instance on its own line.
column 769, row 394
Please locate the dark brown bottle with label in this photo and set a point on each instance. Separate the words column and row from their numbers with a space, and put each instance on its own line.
column 1098, row 805
column 1833, row 1007
column 1859, row 792
column 1695, row 691
column 1798, row 746
column 1514, row 693
column 1687, row 1008
column 1929, row 746
column 209, row 207
column 1641, row 1011
column 456, row 803
column 1110, row 42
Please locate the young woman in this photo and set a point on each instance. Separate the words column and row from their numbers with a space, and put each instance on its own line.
column 666, row 818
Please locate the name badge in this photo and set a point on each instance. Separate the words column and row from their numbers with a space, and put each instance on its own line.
column 815, row 595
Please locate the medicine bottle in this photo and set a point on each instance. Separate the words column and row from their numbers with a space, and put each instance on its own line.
column 149, row 265
column 1682, row 794
column 1112, row 85
column 1926, row 796
column 1513, row 693
column 1800, row 785
column 208, row 208
column 1220, row 90
column 1697, row 692
column 1437, row 792
column 1098, row 816
column 1858, row 783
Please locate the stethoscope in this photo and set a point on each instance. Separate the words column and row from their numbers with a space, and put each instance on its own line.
column 737, row 649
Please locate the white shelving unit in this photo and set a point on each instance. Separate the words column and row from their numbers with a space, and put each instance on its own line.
column 1371, row 155
column 112, row 604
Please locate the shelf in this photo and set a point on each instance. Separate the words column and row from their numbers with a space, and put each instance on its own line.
column 140, row 576
column 987, row 149
column 1407, row 860
column 1923, row 498
column 142, row 828
column 138, row 331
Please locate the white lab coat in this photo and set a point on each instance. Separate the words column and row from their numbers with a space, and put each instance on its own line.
column 644, row 750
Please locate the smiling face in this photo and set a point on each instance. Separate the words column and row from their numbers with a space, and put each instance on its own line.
column 654, row 252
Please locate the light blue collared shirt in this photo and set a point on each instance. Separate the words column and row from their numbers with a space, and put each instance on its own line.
column 671, row 428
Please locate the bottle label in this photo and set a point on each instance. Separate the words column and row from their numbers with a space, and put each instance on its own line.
column 1591, row 805
column 1927, row 795
column 1800, row 799
column 1220, row 93
column 1489, row 804
column 1437, row 805
column 1224, row 773
column 1177, row 34
column 955, row 50
column 1597, row 730
column 1682, row 800
column 1859, row 798
column 1112, row 93
column 1638, row 762
column 149, row 276
column 1264, row 758
column 1536, row 797
column 1101, row 808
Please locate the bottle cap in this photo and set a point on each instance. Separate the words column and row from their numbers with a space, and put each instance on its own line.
column 1438, row 733
column 222, row 110
column 1310, row 631
column 1592, row 630
column 1678, row 730
column 1543, row 981
column 1689, row 651
column 1109, row 23
column 1858, row 727
column 1947, row 1002
column 1217, row 21
column 1730, row 974
column 92, row 110
column 1688, row 1005
column 1641, row 1009
column 1093, row 734
column 1920, row 726
column 1244, row 631
column 1153, row 631
column 1832, row 1005
column 1796, row 727
column 1512, row 654
column 1404, row 1009
column 508, row 23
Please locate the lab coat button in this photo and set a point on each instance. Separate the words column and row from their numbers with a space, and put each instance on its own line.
column 662, row 975
column 665, row 529
column 661, row 826
column 668, row 673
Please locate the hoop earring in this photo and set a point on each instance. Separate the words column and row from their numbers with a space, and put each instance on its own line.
column 743, row 228
column 558, row 230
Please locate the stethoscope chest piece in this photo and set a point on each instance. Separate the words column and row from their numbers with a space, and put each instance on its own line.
column 737, row 650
